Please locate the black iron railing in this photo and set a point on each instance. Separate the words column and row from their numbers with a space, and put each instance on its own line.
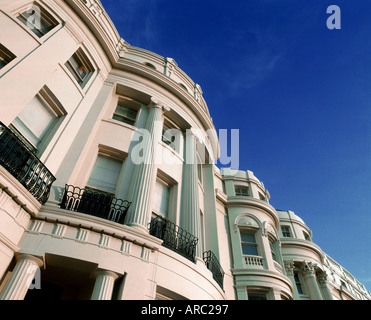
column 174, row 237
column 94, row 203
column 212, row 263
column 23, row 164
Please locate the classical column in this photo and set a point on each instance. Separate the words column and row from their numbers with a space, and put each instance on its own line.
column 289, row 267
column 104, row 283
column 309, row 275
column 324, row 285
column 17, row 285
column 143, row 178
column 190, row 209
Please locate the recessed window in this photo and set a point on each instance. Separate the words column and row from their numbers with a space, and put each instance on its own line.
column 306, row 236
column 273, row 250
column 248, row 243
column 256, row 296
column 286, row 232
column 171, row 135
column 262, row 196
column 125, row 114
column 37, row 120
column 80, row 67
column 105, row 174
column 241, row 191
column 161, row 201
column 38, row 20
column 5, row 56
column 298, row 283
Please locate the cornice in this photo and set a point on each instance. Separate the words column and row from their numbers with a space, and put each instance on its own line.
column 293, row 242
column 52, row 213
column 250, row 202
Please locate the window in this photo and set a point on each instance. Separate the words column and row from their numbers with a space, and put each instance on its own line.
column 286, row 232
column 199, row 168
column 273, row 251
column 5, row 56
column 161, row 200
column 171, row 135
column 248, row 243
column 298, row 284
column 105, row 174
column 38, row 20
column 241, row 191
column 80, row 67
column 125, row 114
column 261, row 197
column 306, row 236
column 38, row 119
column 256, row 296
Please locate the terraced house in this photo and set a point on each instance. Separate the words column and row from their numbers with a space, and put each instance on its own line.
column 108, row 183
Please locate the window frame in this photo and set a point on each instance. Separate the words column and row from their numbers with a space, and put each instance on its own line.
column 128, row 120
column 250, row 244
column 299, row 283
column 288, row 233
column 6, row 55
column 167, row 127
column 241, row 194
column 45, row 15
column 85, row 62
column 109, row 155
column 53, row 106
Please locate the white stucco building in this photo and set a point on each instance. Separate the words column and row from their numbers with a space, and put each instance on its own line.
column 107, row 184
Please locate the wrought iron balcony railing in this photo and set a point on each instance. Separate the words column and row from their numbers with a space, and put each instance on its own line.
column 94, row 203
column 174, row 237
column 212, row 263
column 23, row 164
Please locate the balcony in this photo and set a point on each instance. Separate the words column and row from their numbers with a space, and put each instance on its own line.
column 94, row 203
column 174, row 237
column 253, row 262
column 212, row 263
column 22, row 163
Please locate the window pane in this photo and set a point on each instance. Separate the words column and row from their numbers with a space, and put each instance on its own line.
column 35, row 121
column 241, row 191
column 256, row 296
column 125, row 114
column 247, row 237
column 37, row 20
column 161, row 199
column 105, row 174
column 249, row 249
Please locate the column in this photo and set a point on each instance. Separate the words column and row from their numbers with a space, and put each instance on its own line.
column 289, row 267
column 104, row 283
column 190, row 216
column 21, row 278
column 324, row 285
column 309, row 274
column 143, row 179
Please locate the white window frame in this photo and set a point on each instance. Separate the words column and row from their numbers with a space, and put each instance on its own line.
column 44, row 15
column 108, row 156
column 53, row 106
column 255, row 244
column 241, row 194
column 284, row 233
column 85, row 62
column 129, row 104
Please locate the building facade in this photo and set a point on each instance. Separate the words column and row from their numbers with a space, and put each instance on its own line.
column 108, row 183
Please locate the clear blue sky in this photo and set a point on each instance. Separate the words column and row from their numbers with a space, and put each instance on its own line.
column 299, row 93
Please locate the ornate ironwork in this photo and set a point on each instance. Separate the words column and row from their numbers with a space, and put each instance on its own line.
column 212, row 263
column 94, row 203
column 24, row 165
column 174, row 237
